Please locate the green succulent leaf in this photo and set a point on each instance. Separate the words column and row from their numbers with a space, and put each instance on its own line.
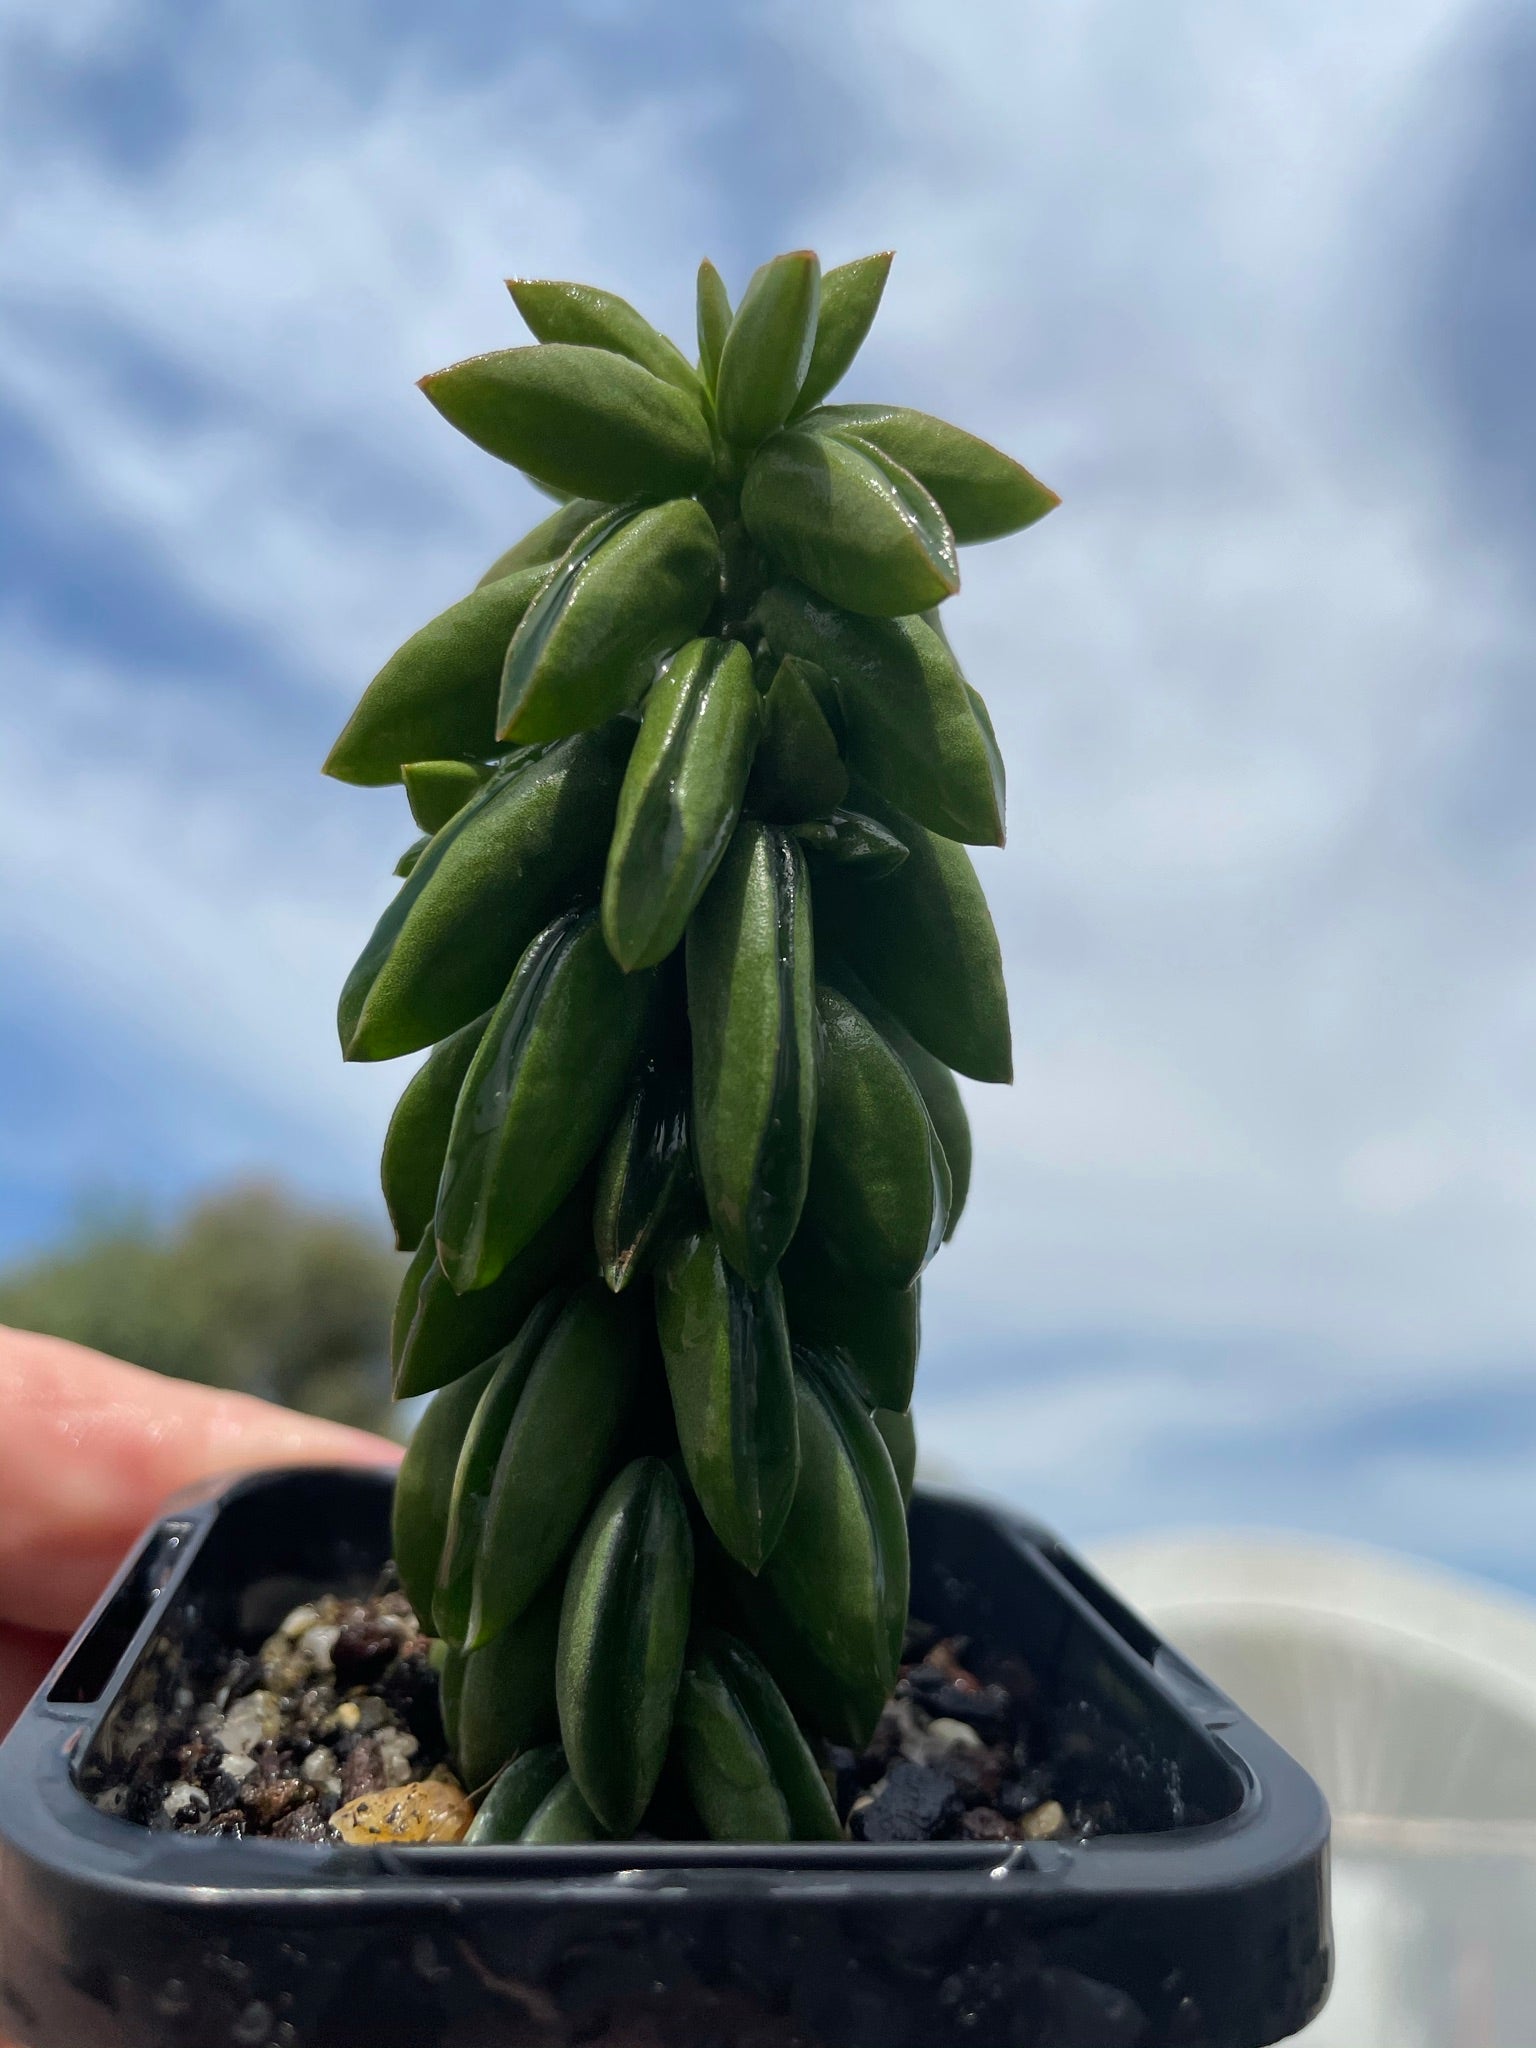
column 507, row 1693
column 560, row 1444
column 680, row 800
column 537, row 1101
column 488, row 1426
column 532, row 841
column 751, row 977
column 829, row 1608
column 714, row 321
column 623, row 1633
column 923, row 943
column 416, row 1142
column 411, row 855
column 912, row 726
column 437, row 1335
column 642, row 1175
column 439, row 790
column 630, row 590
column 879, row 1188
column 581, row 420
column 726, row 1347
column 749, row 1769
column 437, row 695
column 872, row 1329
column 984, row 493
column 564, row 1817
column 767, row 351
column 851, row 523
column 516, row 1796
column 850, row 299
column 449, row 1665
column 798, row 772
column 424, row 1487
column 938, row 1088
column 593, row 318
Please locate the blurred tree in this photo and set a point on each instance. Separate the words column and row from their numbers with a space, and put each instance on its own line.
column 250, row 1289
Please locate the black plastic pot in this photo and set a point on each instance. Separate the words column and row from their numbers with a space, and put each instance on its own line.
column 1212, row 1933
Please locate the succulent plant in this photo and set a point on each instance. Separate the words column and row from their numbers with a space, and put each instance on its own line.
column 695, row 941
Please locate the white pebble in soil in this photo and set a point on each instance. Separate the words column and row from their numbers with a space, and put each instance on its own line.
column 256, row 1718
column 317, row 1643
column 184, row 1801
column 944, row 1738
column 396, row 1748
column 321, row 1768
column 300, row 1621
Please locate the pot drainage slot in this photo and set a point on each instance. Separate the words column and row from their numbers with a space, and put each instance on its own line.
column 87, row 1674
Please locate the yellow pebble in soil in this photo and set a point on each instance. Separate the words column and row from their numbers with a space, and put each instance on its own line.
column 427, row 1811
column 1038, row 1826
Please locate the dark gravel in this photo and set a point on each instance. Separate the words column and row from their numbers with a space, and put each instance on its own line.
column 340, row 1702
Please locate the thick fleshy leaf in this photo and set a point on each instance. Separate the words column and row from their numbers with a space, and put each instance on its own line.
column 581, row 420
column 922, row 941
column 750, row 1771
column 424, row 1487
column 545, row 543
column 681, row 796
column 437, row 1336
column 436, row 696
column 560, row 1444
column 518, row 1793
column 751, row 1008
column 935, row 1083
column 984, row 492
column 594, row 318
column 873, row 1329
column 623, row 1632
column 912, row 727
column 850, row 298
column 714, row 320
column 507, row 1694
column 767, row 351
column 851, row 523
column 411, row 855
column 416, row 1142
column 549, row 1074
column 642, row 1175
column 454, row 1587
column 588, row 645
column 438, row 790
column 879, row 1188
column 564, row 1817
column 798, row 772
column 828, row 1611
column 530, row 843
column 726, row 1347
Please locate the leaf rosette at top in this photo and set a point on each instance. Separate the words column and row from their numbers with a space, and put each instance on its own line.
column 695, row 949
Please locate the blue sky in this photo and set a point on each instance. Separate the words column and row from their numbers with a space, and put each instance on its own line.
column 1252, row 1237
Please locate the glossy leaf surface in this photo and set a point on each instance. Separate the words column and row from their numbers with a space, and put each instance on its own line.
column 681, row 797
column 623, row 1632
column 726, row 1347
column 751, row 1007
